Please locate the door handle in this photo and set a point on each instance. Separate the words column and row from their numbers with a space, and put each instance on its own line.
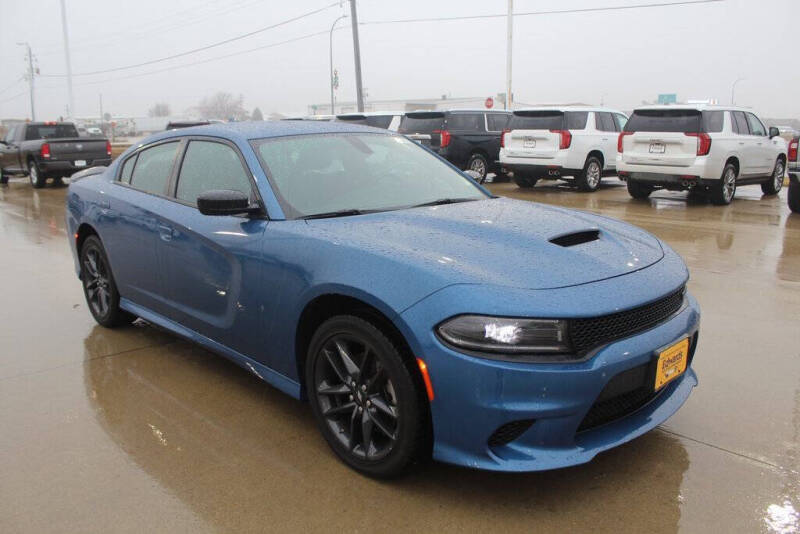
column 166, row 232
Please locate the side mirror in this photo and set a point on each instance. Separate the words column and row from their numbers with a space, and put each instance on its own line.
column 475, row 175
column 225, row 202
column 773, row 132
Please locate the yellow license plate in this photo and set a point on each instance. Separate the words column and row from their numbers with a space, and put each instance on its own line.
column 672, row 363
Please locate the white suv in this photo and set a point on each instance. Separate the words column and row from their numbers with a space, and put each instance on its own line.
column 554, row 142
column 701, row 148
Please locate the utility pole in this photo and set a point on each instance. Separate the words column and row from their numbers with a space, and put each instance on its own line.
column 508, row 52
column 733, row 90
column 331, row 51
column 71, row 111
column 357, row 53
column 31, row 72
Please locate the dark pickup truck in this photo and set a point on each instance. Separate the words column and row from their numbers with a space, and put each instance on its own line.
column 45, row 150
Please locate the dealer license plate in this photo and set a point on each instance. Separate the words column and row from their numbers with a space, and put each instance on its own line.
column 80, row 163
column 529, row 142
column 672, row 363
column 657, row 148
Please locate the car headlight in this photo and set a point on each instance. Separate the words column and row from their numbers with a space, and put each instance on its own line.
column 506, row 334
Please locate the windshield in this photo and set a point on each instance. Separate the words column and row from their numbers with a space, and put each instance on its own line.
column 317, row 174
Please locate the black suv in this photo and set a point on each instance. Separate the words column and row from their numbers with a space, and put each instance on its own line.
column 469, row 139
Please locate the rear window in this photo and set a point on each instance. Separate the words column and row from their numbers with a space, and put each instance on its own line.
column 466, row 121
column 376, row 121
column 54, row 131
column 421, row 122
column 664, row 120
column 537, row 120
column 604, row 121
column 153, row 167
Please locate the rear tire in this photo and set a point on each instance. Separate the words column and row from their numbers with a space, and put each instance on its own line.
column 723, row 192
column 589, row 178
column 638, row 190
column 35, row 175
column 479, row 164
column 774, row 185
column 99, row 286
column 794, row 196
column 524, row 181
column 364, row 397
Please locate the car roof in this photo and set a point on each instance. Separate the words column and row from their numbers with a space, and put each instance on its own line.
column 698, row 107
column 246, row 131
column 568, row 108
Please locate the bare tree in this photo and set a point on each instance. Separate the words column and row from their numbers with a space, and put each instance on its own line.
column 257, row 115
column 159, row 109
column 223, row 106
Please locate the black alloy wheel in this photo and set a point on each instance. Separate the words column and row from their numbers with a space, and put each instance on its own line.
column 99, row 287
column 364, row 397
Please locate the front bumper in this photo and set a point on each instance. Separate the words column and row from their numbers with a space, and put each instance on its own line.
column 67, row 167
column 475, row 396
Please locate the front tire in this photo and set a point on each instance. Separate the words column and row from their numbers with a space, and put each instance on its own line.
column 794, row 196
column 479, row 164
column 638, row 190
column 722, row 193
column 35, row 175
column 364, row 397
column 99, row 286
column 774, row 185
column 589, row 178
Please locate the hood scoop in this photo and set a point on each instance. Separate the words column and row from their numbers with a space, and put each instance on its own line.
column 576, row 238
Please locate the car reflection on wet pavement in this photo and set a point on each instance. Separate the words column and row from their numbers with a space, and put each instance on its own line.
column 136, row 430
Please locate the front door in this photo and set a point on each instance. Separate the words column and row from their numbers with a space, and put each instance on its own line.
column 213, row 263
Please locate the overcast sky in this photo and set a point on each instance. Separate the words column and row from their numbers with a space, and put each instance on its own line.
column 619, row 57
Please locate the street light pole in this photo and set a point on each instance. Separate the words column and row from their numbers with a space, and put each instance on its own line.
column 30, row 76
column 69, row 63
column 357, row 54
column 733, row 90
column 508, row 52
column 331, row 50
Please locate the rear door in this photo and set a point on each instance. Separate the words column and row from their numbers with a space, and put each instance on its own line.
column 659, row 137
column 533, row 134
column 212, row 263
column 135, row 200
column 9, row 151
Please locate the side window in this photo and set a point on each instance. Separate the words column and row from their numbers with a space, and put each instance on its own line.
column 153, row 167
column 497, row 121
column 127, row 169
column 576, row 120
column 10, row 135
column 604, row 121
column 466, row 121
column 756, row 128
column 740, row 123
column 620, row 121
column 713, row 121
column 208, row 165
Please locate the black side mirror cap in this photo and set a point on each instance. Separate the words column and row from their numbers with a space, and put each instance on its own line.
column 226, row 202
column 773, row 132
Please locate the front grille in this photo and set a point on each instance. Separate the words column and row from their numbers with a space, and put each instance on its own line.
column 587, row 334
column 509, row 432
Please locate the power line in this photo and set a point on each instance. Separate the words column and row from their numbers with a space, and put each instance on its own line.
column 553, row 12
column 202, row 48
column 13, row 97
column 12, row 85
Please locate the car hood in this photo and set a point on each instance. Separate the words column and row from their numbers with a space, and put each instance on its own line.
column 499, row 241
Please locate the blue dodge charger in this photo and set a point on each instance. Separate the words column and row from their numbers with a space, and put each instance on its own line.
column 417, row 313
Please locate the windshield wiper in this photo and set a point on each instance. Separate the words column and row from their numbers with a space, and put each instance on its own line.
column 442, row 201
column 332, row 214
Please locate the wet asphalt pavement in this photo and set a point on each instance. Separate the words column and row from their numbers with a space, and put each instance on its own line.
column 133, row 430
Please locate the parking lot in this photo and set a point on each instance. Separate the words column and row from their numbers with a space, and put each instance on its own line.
column 136, row 430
